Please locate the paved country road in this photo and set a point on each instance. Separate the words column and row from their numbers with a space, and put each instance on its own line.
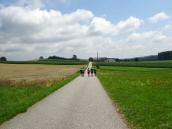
column 81, row 104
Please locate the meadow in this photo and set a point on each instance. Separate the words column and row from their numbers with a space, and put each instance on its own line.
column 22, row 85
column 142, row 95
column 147, row 64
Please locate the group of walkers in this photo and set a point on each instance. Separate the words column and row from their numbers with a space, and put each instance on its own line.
column 90, row 71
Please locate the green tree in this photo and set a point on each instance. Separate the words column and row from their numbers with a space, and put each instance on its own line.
column 91, row 59
column 74, row 57
column 41, row 58
column 136, row 59
column 3, row 59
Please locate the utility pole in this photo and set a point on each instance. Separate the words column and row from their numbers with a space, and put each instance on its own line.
column 97, row 56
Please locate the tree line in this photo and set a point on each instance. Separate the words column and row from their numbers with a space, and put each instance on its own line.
column 74, row 57
column 167, row 55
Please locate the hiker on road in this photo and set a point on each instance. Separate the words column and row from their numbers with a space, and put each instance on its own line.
column 82, row 72
column 92, row 71
column 88, row 72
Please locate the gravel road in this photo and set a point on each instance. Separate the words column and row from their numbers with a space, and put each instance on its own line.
column 81, row 104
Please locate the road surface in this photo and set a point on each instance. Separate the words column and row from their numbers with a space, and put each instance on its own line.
column 81, row 104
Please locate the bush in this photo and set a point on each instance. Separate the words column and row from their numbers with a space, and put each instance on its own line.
column 3, row 59
column 98, row 66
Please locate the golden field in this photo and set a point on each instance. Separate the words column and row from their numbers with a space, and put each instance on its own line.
column 35, row 72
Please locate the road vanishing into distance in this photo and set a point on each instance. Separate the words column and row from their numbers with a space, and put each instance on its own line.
column 81, row 104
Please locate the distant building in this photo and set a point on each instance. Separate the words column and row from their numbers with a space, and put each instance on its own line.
column 110, row 60
column 167, row 55
column 101, row 59
column 106, row 59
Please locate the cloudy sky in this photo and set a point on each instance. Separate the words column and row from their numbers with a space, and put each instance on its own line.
column 115, row 28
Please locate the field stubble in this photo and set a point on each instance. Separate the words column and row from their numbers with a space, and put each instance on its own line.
column 22, row 74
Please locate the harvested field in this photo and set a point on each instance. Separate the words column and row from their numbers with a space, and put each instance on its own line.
column 35, row 72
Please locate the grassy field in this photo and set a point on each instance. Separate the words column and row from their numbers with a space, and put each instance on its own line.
column 11, row 73
column 143, row 95
column 22, row 85
column 148, row 64
column 50, row 61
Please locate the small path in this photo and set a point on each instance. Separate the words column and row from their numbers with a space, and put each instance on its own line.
column 81, row 104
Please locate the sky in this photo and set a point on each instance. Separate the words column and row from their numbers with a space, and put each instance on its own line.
column 114, row 28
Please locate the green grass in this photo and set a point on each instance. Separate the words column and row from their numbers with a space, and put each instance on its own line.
column 17, row 99
column 143, row 95
column 148, row 64
column 50, row 61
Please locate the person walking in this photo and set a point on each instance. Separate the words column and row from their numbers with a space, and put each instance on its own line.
column 88, row 72
column 92, row 71
column 82, row 72
column 95, row 71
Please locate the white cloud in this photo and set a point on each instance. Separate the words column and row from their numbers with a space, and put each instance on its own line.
column 150, row 36
column 131, row 23
column 159, row 17
column 26, row 25
column 101, row 25
column 26, row 33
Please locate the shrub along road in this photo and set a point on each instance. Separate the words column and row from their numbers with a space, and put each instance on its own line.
column 81, row 104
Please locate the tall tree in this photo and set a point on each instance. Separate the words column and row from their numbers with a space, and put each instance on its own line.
column 91, row 59
column 41, row 58
column 74, row 57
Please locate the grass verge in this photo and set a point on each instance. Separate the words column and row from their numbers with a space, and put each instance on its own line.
column 146, row 64
column 49, row 62
column 143, row 95
column 17, row 99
